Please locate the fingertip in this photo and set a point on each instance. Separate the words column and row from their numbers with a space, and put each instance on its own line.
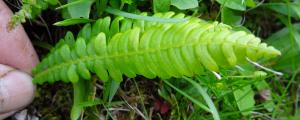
column 16, row 90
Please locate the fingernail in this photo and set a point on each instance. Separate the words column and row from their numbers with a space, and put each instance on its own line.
column 16, row 89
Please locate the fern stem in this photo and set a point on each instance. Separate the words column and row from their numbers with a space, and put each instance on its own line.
column 77, row 98
column 264, row 68
column 218, row 76
column 81, row 92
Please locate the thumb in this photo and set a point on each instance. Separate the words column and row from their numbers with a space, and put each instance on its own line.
column 16, row 90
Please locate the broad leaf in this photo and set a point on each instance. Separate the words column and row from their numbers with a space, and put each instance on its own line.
column 245, row 99
column 231, row 17
column 233, row 4
column 288, row 46
column 79, row 8
column 291, row 9
column 184, row 4
column 250, row 3
column 161, row 5
column 110, row 89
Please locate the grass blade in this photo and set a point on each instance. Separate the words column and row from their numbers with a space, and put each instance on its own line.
column 187, row 96
column 140, row 17
column 206, row 97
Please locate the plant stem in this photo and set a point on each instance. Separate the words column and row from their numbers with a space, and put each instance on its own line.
column 82, row 90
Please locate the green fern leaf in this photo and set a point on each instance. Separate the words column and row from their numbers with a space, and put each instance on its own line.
column 151, row 49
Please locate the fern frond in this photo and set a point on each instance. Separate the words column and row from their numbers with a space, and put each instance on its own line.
column 151, row 49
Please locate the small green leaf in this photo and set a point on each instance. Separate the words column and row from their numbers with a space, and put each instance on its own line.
column 245, row 99
column 110, row 89
column 72, row 21
column 233, row 4
column 83, row 71
column 85, row 32
column 65, row 52
column 69, row 39
column 100, row 40
column 81, row 9
column 250, row 3
column 184, row 4
column 72, row 75
column 76, row 112
column 115, row 26
column 100, row 71
column 63, row 75
column 82, row 91
column 80, row 47
column 161, row 5
column 231, row 17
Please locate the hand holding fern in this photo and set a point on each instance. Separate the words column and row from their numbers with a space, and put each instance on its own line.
column 16, row 88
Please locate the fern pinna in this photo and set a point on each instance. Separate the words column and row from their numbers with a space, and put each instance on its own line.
column 151, row 49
